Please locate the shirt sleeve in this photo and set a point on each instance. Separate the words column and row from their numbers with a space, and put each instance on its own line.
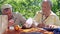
column 21, row 18
column 56, row 20
column 38, row 17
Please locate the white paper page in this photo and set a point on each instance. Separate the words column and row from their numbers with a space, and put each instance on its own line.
column 29, row 22
column 4, row 23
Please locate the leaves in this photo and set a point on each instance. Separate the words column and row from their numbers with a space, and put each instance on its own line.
column 28, row 8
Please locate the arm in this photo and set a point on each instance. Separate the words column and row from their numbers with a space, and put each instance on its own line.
column 56, row 20
column 38, row 17
column 22, row 19
column 31, row 22
column 18, row 19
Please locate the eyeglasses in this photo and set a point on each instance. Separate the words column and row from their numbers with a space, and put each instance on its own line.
column 6, row 9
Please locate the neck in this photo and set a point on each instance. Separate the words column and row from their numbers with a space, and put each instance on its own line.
column 10, row 17
column 47, row 14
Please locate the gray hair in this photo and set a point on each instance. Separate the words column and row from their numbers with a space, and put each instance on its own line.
column 49, row 1
column 6, row 6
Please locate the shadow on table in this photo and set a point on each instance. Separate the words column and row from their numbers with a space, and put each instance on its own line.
column 32, row 33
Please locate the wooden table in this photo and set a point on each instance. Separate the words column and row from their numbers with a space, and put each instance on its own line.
column 27, row 31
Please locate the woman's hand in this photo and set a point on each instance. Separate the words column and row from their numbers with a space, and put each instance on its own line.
column 11, row 22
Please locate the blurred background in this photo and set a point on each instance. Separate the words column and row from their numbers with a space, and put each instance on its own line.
column 28, row 8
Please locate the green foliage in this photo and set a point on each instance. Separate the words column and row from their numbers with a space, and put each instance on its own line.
column 28, row 8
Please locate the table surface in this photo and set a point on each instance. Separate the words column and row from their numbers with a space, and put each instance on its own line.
column 28, row 31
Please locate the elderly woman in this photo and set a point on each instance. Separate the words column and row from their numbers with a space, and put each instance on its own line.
column 13, row 18
column 45, row 17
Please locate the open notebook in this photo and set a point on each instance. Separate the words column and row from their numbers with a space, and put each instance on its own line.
column 3, row 23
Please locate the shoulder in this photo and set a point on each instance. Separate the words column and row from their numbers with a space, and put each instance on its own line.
column 53, row 14
column 16, row 13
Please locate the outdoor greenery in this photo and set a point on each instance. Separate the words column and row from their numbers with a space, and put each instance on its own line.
column 28, row 8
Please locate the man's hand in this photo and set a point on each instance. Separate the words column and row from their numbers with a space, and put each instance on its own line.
column 11, row 22
column 52, row 26
column 41, row 25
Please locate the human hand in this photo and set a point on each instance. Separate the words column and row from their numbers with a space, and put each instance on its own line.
column 52, row 26
column 41, row 25
column 11, row 22
column 25, row 26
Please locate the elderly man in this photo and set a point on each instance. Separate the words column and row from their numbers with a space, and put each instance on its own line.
column 13, row 18
column 45, row 17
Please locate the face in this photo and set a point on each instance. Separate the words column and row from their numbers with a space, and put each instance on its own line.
column 8, row 12
column 46, row 8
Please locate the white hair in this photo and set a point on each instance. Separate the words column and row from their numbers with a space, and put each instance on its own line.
column 49, row 1
column 6, row 6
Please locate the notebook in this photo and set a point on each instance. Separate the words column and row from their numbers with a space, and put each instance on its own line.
column 3, row 23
